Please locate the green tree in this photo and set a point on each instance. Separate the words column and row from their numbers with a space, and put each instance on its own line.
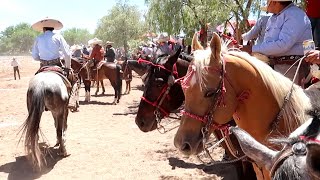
column 123, row 23
column 173, row 16
column 17, row 39
column 77, row 36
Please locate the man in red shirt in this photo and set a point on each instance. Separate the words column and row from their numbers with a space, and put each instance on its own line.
column 313, row 12
column 97, row 55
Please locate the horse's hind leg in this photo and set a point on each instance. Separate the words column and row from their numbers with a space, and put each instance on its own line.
column 97, row 90
column 102, row 86
column 61, row 128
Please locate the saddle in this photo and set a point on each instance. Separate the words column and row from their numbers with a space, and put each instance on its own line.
column 68, row 81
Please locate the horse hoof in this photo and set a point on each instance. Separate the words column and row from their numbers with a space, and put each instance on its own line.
column 103, row 93
column 96, row 93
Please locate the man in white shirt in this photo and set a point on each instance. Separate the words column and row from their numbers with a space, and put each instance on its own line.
column 15, row 64
column 47, row 48
column 47, row 45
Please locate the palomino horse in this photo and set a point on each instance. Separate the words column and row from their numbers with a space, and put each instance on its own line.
column 47, row 91
column 222, row 85
column 163, row 94
column 298, row 160
column 111, row 71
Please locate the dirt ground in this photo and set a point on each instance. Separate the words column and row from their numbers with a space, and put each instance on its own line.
column 102, row 139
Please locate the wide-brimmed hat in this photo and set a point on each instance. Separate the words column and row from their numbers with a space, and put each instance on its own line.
column 109, row 43
column 94, row 41
column 163, row 38
column 76, row 47
column 47, row 22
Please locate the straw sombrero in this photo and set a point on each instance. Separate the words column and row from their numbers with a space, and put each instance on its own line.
column 163, row 38
column 94, row 41
column 47, row 22
column 109, row 43
column 75, row 47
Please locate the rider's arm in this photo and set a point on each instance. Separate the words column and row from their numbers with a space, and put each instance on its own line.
column 35, row 50
column 64, row 47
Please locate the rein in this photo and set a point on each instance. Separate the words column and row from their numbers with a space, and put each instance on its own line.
column 163, row 95
column 209, row 123
column 276, row 121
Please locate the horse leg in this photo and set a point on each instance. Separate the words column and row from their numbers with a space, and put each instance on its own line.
column 61, row 127
column 102, row 86
column 114, row 85
column 97, row 90
column 87, row 90
column 127, row 88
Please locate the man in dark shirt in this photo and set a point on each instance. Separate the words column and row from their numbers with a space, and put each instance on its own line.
column 110, row 52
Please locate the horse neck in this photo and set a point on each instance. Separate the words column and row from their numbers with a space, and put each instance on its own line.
column 255, row 112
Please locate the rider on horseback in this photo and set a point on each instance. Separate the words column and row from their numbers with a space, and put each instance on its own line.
column 46, row 49
column 110, row 52
column 96, row 55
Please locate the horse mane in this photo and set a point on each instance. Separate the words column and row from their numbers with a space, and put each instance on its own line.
column 278, row 84
column 294, row 112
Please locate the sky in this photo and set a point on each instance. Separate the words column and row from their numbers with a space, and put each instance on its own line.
column 72, row 13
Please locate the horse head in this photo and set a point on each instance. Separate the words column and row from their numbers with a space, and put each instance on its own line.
column 205, row 92
column 299, row 159
column 161, row 94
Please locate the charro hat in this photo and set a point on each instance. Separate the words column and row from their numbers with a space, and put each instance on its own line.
column 109, row 43
column 163, row 38
column 94, row 41
column 47, row 22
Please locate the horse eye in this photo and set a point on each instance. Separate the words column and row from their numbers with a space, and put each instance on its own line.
column 159, row 82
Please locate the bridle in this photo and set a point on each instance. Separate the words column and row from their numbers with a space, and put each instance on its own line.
column 209, row 124
column 159, row 111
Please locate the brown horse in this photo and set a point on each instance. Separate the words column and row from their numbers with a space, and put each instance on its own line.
column 299, row 159
column 126, row 75
column 163, row 94
column 226, row 84
column 111, row 71
column 79, row 67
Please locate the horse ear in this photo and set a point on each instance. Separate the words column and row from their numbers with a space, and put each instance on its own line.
column 195, row 45
column 253, row 149
column 215, row 46
column 174, row 58
column 313, row 159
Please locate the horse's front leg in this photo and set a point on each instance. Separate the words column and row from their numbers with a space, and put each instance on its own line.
column 97, row 90
column 102, row 86
column 87, row 90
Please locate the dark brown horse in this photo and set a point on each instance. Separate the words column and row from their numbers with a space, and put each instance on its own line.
column 79, row 67
column 111, row 71
column 162, row 95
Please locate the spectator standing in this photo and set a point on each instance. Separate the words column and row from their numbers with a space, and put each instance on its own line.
column 15, row 64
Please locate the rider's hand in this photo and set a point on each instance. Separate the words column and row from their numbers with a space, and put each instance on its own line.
column 246, row 48
column 313, row 57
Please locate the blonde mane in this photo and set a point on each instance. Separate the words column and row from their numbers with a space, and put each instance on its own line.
column 294, row 112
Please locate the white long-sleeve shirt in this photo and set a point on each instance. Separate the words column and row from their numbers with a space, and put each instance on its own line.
column 15, row 63
column 46, row 47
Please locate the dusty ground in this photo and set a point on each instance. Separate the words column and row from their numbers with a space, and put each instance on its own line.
column 103, row 139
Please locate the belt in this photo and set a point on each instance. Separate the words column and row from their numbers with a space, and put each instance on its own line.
column 50, row 62
column 284, row 59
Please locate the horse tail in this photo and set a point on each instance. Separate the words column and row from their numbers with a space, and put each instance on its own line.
column 30, row 128
column 119, row 81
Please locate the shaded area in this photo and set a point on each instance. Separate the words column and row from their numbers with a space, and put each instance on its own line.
column 227, row 171
column 22, row 169
column 95, row 102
